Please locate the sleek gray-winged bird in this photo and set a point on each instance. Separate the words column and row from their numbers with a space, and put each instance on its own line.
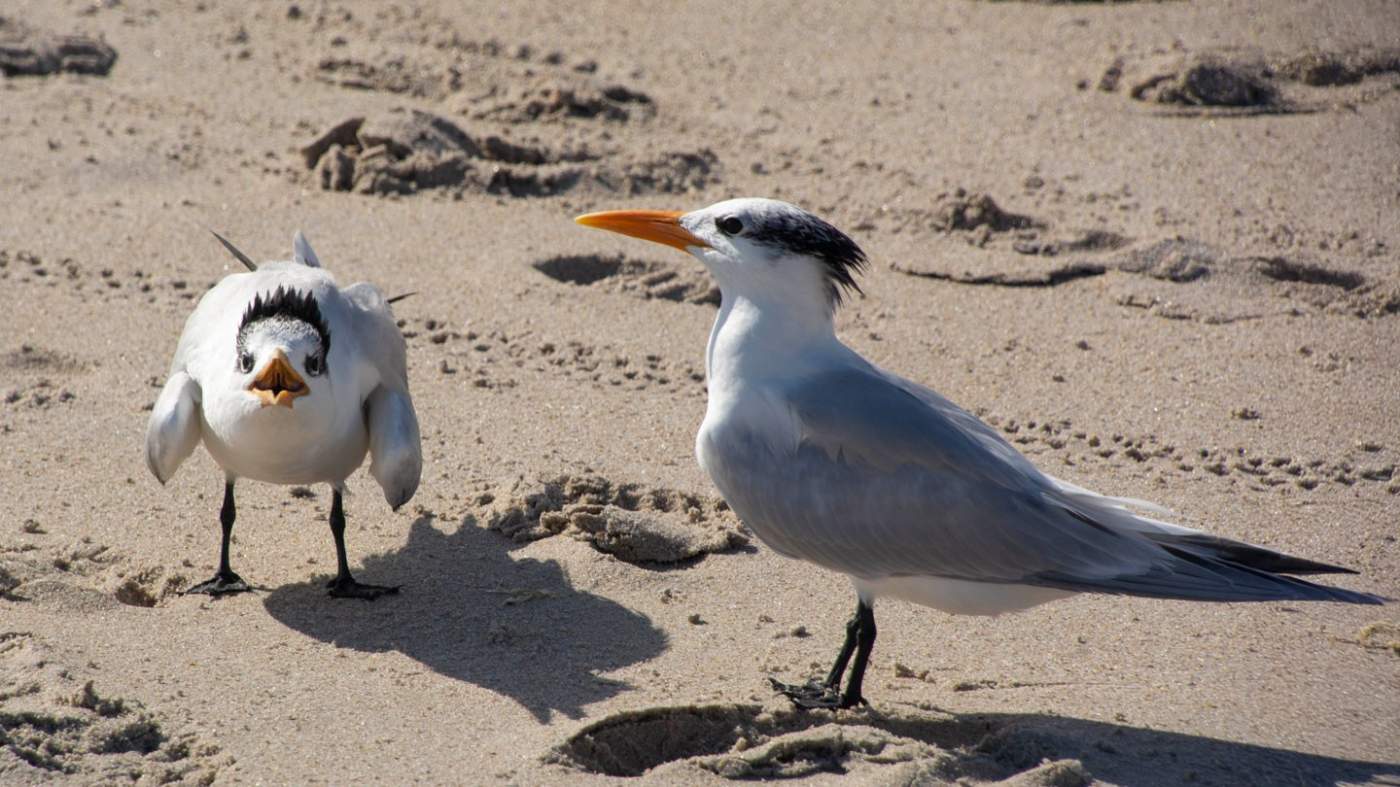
column 288, row 378
column 832, row 460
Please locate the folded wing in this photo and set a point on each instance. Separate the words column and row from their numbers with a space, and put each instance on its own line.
column 889, row 479
column 173, row 430
column 396, row 456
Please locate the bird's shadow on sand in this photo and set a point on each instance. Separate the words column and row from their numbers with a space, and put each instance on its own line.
column 471, row 611
column 1124, row 754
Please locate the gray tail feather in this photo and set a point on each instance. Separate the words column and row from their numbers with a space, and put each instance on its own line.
column 243, row 258
column 1191, row 576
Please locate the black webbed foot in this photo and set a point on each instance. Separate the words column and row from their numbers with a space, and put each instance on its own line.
column 811, row 694
column 860, row 639
column 848, row 702
column 224, row 583
column 816, row 696
column 347, row 587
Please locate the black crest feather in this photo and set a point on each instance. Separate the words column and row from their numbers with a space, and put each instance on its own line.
column 800, row 232
column 287, row 304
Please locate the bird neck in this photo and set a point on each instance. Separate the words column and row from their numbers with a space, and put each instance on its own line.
column 755, row 340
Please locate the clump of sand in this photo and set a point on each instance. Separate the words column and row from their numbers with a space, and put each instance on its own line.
column 55, row 725
column 1249, row 82
column 25, row 51
column 635, row 523
column 1381, row 636
column 406, row 151
column 85, row 575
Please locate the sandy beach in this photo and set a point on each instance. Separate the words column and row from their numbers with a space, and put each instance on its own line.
column 1157, row 244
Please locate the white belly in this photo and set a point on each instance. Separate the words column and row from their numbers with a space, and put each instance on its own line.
column 958, row 596
column 274, row 451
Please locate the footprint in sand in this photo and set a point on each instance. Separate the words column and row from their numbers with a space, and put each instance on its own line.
column 746, row 742
column 56, row 725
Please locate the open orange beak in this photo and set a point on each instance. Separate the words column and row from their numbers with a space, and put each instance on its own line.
column 278, row 383
column 658, row 226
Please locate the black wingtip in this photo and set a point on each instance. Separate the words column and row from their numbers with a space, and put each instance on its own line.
column 241, row 257
column 398, row 298
column 1257, row 557
column 1353, row 596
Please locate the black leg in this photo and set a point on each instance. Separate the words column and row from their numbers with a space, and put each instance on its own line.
column 344, row 585
column 860, row 638
column 225, row 581
column 833, row 678
column 864, row 644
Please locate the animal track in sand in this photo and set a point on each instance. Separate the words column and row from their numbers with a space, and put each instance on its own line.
column 29, row 359
column 30, row 270
column 55, row 725
column 1369, row 463
column 634, row 523
column 485, row 359
column 387, row 48
column 480, row 79
column 1212, row 83
column 605, row 365
column 408, row 151
column 553, row 100
column 495, row 359
column 83, row 575
column 527, row 97
column 747, row 742
column 30, row 388
column 646, row 279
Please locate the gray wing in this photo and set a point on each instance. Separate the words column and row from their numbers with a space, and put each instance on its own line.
column 378, row 334
column 888, row 481
column 173, row 430
column 396, row 454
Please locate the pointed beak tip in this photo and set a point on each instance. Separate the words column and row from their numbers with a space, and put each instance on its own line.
column 596, row 220
column 657, row 226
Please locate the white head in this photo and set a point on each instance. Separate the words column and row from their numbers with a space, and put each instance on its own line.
column 762, row 250
column 282, row 347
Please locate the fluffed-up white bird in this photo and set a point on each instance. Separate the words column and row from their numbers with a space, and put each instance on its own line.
column 831, row 460
column 288, row 378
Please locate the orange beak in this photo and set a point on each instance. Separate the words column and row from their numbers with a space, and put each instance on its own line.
column 278, row 383
column 658, row 226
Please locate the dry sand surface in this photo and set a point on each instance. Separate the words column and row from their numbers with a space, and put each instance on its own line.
column 1158, row 244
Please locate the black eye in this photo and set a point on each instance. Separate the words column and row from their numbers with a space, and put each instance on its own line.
column 315, row 365
column 245, row 362
column 729, row 225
